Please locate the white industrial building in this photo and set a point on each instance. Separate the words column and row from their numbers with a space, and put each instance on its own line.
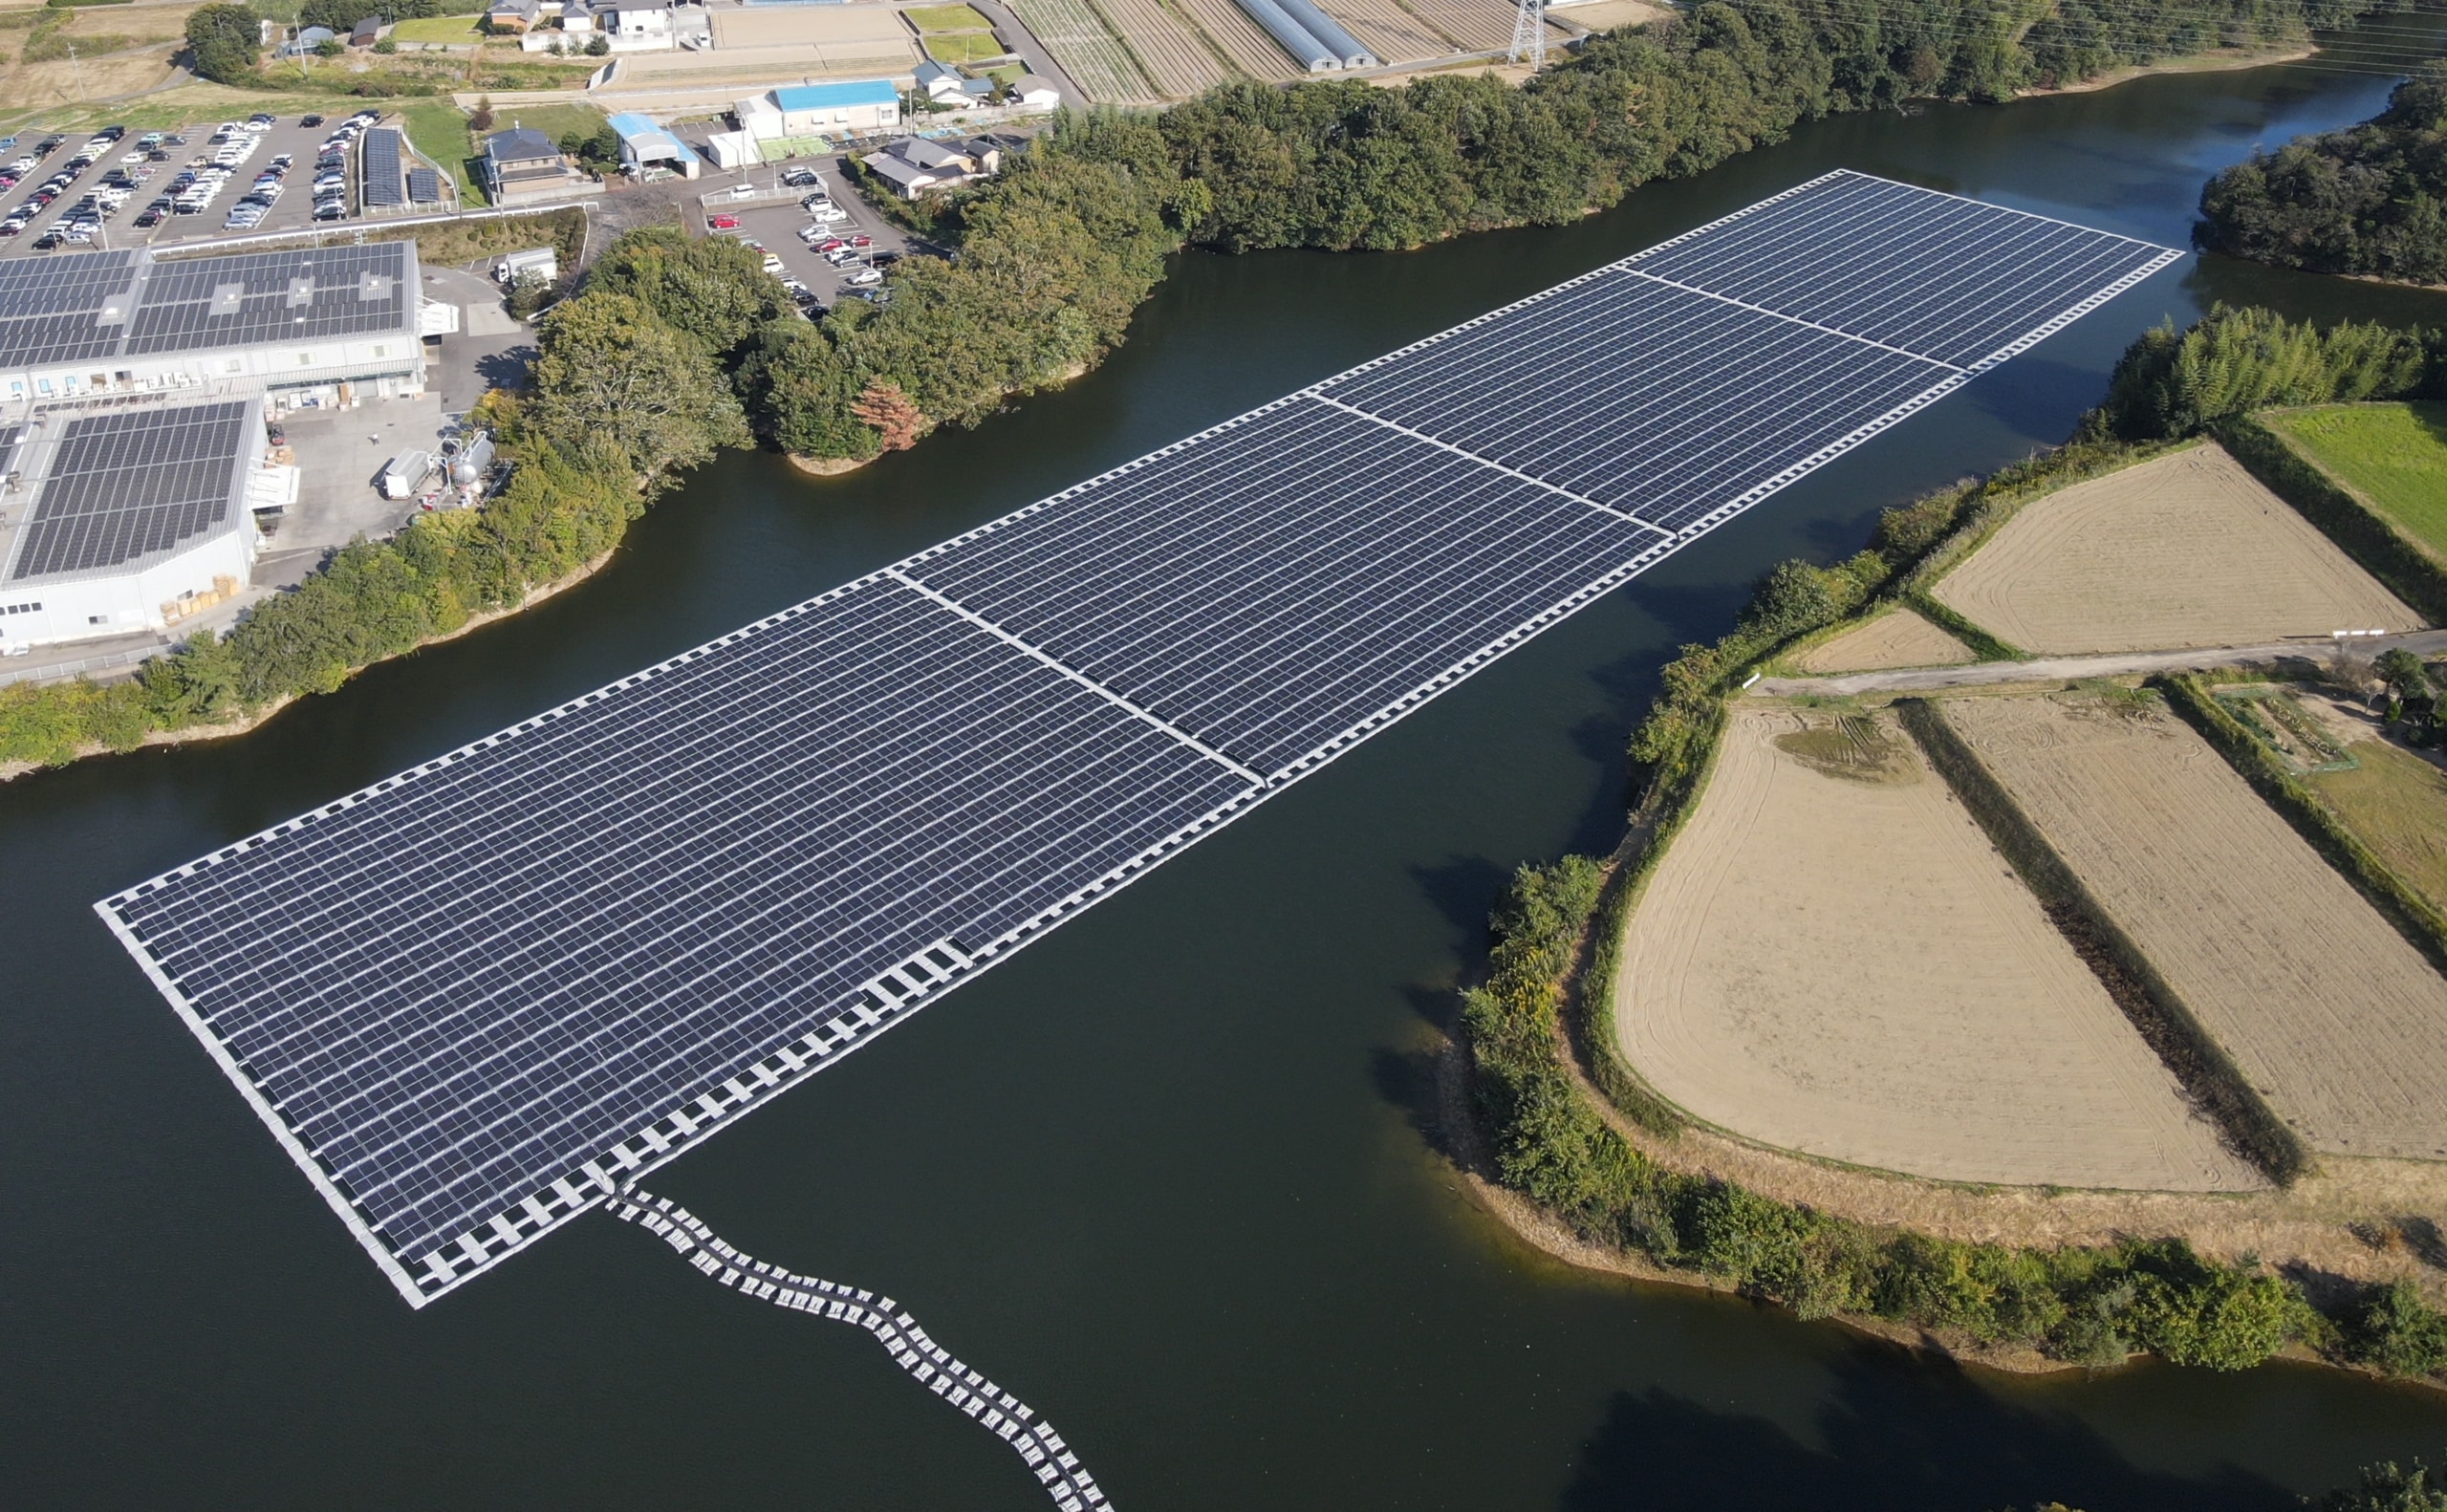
column 125, row 519
column 325, row 325
column 852, row 108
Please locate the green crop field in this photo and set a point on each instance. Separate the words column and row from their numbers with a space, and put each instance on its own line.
column 2395, row 455
column 437, row 28
column 552, row 120
column 963, row 48
column 947, row 18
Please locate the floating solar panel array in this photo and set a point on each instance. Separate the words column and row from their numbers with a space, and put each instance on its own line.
column 478, row 997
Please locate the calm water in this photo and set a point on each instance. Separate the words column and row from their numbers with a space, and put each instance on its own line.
column 1163, row 1174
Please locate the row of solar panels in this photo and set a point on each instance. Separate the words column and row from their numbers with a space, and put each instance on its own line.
column 474, row 996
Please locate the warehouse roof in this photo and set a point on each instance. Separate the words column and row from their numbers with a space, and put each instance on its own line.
column 834, row 96
column 122, row 488
column 102, row 305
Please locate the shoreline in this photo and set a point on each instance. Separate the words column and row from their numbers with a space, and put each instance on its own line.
column 2218, row 60
column 1464, row 1155
column 229, row 729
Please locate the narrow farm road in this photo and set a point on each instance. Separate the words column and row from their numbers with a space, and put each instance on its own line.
column 2120, row 663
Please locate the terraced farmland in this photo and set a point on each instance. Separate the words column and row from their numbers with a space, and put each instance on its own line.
column 1087, row 50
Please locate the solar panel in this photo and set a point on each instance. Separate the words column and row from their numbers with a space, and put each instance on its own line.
column 123, row 486
column 377, row 168
column 424, row 186
column 474, row 999
column 102, row 304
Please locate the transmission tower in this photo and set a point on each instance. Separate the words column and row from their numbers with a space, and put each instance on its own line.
column 1530, row 33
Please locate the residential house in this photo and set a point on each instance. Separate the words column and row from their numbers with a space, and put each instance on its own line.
column 1032, row 90
column 513, row 16
column 523, row 166
column 915, row 166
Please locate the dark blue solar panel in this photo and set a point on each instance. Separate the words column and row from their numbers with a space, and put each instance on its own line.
column 474, row 998
column 378, row 177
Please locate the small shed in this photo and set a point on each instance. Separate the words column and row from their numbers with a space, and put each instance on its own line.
column 367, row 31
column 1032, row 91
column 645, row 145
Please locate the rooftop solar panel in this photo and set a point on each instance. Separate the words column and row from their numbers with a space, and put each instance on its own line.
column 377, row 168
column 424, row 186
column 95, row 305
column 123, row 486
column 474, row 999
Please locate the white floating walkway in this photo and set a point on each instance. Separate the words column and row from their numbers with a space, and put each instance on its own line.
column 1055, row 1468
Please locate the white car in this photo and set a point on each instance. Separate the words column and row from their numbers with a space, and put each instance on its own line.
column 865, row 278
column 740, row 191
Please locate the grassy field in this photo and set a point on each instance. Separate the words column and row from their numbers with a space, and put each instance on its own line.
column 962, row 47
column 2398, row 804
column 440, row 130
column 552, row 120
column 935, row 19
column 439, row 28
column 2395, row 455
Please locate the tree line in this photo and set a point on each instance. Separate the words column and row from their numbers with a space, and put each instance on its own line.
column 2370, row 200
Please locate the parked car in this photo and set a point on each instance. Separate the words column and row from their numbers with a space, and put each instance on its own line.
column 800, row 179
column 12, row 226
column 51, row 240
column 865, row 278
column 739, row 191
column 110, row 133
column 721, row 223
column 310, row 121
column 330, row 211
column 151, row 215
column 263, row 119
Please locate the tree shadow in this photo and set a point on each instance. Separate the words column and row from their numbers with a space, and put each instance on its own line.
column 508, row 367
column 1896, row 1433
column 2432, row 416
column 1464, row 889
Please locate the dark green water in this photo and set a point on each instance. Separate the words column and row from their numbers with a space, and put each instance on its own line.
column 1163, row 1175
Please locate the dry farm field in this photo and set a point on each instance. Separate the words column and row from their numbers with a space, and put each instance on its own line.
column 1894, row 641
column 1387, row 28
column 2339, row 1023
column 2186, row 550
column 1242, row 40
column 1087, row 50
column 1172, row 53
column 1475, row 26
column 1831, row 958
column 1605, row 15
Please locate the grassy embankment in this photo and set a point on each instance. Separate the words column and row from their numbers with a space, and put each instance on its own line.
column 2394, row 456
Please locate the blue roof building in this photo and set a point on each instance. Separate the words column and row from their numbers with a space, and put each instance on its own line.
column 851, row 107
column 645, row 145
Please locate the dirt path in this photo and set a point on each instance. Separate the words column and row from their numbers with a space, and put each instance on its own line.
column 2113, row 665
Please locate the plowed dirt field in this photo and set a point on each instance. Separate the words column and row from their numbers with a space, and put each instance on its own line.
column 2327, row 1009
column 1832, row 959
column 1896, row 640
column 2187, row 549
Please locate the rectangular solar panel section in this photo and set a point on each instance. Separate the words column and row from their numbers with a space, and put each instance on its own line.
column 101, row 303
column 474, row 999
column 135, row 484
column 377, row 169
column 424, row 186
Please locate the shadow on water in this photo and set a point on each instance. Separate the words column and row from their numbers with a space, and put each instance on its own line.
column 1892, row 1433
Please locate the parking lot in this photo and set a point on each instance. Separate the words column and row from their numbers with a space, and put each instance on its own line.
column 292, row 212
column 776, row 228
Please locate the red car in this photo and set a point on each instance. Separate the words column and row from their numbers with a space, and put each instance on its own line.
column 862, row 240
column 834, row 245
column 723, row 223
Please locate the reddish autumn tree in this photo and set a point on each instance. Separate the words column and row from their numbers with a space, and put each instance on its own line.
column 896, row 419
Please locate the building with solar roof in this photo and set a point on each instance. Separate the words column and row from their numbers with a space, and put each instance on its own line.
column 317, row 324
column 119, row 520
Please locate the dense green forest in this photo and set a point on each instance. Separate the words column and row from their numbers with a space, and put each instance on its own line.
column 2368, row 200
column 1548, row 1139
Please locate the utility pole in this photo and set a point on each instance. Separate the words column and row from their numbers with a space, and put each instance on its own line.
column 78, row 70
column 1530, row 33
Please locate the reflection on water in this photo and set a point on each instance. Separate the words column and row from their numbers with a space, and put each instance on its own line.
column 1166, row 1174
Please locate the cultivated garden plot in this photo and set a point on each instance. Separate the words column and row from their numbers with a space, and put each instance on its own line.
column 2186, row 550
column 1832, row 959
column 1174, row 56
column 1475, row 26
column 2337, row 1021
column 1087, row 50
column 1894, row 641
column 1388, row 31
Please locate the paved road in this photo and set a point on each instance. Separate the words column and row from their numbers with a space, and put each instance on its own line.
column 2063, row 669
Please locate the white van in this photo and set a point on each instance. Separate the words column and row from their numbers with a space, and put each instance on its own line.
column 540, row 262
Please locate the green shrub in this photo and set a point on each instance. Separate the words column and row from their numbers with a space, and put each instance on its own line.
column 2170, row 384
column 2395, row 1331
